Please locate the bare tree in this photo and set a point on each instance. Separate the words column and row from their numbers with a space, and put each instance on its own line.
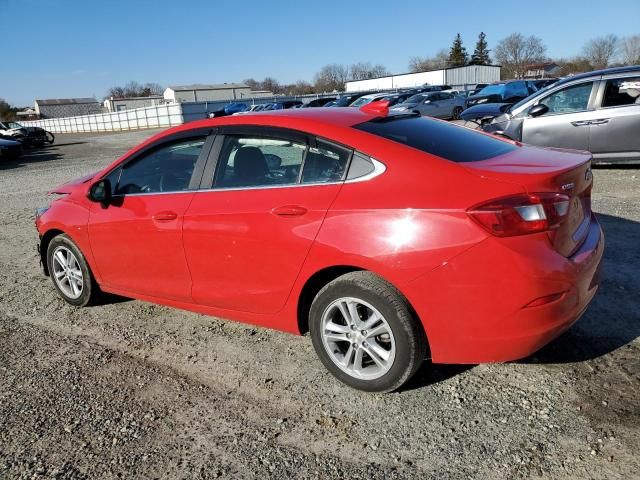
column 600, row 51
column 364, row 71
column 134, row 89
column 421, row 64
column 7, row 112
column 630, row 50
column 573, row 65
column 331, row 77
column 516, row 51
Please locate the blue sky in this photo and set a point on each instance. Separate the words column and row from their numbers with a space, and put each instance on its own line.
column 79, row 48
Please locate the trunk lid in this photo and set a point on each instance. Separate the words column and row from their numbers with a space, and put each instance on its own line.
column 540, row 170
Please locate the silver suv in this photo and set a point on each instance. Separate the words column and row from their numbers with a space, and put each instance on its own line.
column 596, row 111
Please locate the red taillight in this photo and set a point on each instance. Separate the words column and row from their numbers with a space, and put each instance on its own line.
column 522, row 214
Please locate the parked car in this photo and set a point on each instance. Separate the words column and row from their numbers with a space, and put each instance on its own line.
column 430, row 88
column 596, row 111
column 433, row 104
column 29, row 136
column 392, row 98
column 544, row 82
column 389, row 238
column 477, row 88
column 230, row 109
column 283, row 105
column 318, row 102
column 346, row 99
column 252, row 108
column 10, row 149
column 511, row 91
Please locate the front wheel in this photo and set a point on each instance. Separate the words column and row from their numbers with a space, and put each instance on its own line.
column 364, row 332
column 455, row 114
column 70, row 272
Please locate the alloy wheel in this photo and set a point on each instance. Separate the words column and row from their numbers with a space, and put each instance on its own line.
column 358, row 338
column 67, row 272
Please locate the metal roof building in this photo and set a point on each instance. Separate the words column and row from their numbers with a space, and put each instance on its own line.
column 199, row 92
column 67, row 107
column 456, row 76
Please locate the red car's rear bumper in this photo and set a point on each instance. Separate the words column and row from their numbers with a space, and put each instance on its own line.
column 505, row 298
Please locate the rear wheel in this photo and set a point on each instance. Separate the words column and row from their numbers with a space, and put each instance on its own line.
column 455, row 114
column 364, row 332
column 70, row 272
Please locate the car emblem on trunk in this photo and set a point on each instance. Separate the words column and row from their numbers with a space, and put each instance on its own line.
column 568, row 186
column 588, row 175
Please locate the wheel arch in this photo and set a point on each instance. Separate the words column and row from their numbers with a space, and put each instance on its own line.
column 322, row 277
column 44, row 246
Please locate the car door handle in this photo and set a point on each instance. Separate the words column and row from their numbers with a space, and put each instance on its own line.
column 581, row 123
column 600, row 121
column 289, row 211
column 165, row 216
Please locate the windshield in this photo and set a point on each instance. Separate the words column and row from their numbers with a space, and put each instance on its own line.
column 14, row 125
column 361, row 101
column 526, row 99
column 492, row 89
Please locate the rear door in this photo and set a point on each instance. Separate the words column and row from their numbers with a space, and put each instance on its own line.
column 265, row 196
column 137, row 239
column 566, row 124
column 615, row 132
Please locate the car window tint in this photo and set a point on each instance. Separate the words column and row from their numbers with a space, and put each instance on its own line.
column 568, row 100
column 622, row 91
column 325, row 163
column 259, row 161
column 451, row 142
column 167, row 168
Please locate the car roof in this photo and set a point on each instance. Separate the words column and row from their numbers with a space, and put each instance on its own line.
column 598, row 73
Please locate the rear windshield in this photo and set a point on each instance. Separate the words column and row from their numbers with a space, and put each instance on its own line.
column 451, row 142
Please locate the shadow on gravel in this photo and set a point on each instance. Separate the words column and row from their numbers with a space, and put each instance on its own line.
column 430, row 374
column 613, row 318
column 109, row 299
column 45, row 154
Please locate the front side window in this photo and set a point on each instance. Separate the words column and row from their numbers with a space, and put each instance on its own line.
column 622, row 91
column 167, row 168
column 569, row 100
column 259, row 161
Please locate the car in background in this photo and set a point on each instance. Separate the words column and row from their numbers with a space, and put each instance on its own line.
column 346, row 99
column 429, row 88
column 392, row 98
column 318, row 102
column 9, row 149
column 284, row 105
column 29, row 136
column 544, row 82
column 511, row 91
column 390, row 239
column 433, row 104
column 476, row 89
column 596, row 111
column 252, row 108
column 230, row 109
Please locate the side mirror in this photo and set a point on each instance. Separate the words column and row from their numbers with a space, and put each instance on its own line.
column 100, row 192
column 537, row 110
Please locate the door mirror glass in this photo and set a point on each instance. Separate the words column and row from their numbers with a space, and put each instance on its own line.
column 100, row 192
column 538, row 110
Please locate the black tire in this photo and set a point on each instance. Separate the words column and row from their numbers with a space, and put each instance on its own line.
column 455, row 114
column 50, row 137
column 90, row 291
column 410, row 340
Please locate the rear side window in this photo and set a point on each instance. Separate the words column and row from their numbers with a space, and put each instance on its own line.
column 451, row 142
column 622, row 91
column 325, row 163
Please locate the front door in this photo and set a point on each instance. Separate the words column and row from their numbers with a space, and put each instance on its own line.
column 566, row 123
column 247, row 237
column 137, row 239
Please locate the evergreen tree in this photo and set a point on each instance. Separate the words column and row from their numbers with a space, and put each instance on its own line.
column 481, row 53
column 458, row 54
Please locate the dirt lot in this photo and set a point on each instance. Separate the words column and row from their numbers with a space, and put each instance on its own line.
column 131, row 390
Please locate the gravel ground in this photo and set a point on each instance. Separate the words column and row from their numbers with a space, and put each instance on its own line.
column 133, row 390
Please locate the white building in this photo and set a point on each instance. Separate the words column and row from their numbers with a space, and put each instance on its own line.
column 119, row 104
column 200, row 93
column 456, row 77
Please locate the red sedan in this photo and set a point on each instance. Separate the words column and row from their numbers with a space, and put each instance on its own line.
column 390, row 239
